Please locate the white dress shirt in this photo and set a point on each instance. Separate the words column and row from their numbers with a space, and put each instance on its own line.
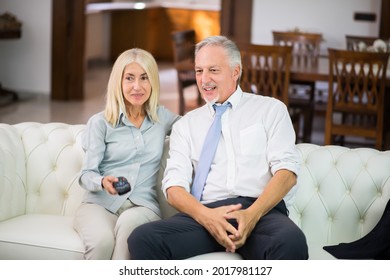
column 257, row 140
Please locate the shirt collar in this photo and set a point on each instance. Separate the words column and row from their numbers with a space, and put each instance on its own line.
column 234, row 100
column 122, row 119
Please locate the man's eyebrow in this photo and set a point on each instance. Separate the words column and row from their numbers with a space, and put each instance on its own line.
column 211, row 66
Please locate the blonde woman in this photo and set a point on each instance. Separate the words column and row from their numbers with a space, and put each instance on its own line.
column 125, row 140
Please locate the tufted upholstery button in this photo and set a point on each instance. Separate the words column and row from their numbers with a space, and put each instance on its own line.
column 361, row 221
column 348, row 192
column 330, row 219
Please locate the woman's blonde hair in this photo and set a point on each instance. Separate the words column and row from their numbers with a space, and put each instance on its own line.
column 114, row 94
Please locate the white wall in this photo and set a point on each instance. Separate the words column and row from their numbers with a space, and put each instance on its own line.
column 25, row 63
column 333, row 18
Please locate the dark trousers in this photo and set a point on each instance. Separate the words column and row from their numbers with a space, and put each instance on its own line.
column 180, row 237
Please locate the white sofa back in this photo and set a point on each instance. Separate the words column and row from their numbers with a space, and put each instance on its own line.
column 341, row 192
column 39, row 168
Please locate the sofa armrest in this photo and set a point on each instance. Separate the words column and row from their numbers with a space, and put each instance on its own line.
column 12, row 173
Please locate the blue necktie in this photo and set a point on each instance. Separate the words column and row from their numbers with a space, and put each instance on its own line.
column 208, row 151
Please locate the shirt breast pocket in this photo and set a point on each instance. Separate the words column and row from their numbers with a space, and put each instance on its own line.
column 253, row 140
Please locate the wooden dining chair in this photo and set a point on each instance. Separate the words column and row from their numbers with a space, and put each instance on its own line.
column 354, row 41
column 356, row 96
column 183, row 43
column 305, row 53
column 266, row 71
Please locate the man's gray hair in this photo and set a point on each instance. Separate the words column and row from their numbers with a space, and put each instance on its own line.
column 231, row 49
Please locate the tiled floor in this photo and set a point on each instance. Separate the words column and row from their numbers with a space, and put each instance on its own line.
column 42, row 109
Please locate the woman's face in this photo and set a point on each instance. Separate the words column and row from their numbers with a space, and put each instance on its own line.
column 136, row 86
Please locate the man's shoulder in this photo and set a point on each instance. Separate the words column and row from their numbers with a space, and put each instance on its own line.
column 251, row 99
column 194, row 116
column 197, row 112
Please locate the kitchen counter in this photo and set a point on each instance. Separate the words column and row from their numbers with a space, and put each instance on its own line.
column 115, row 6
column 149, row 25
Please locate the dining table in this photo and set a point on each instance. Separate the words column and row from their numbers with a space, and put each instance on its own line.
column 319, row 72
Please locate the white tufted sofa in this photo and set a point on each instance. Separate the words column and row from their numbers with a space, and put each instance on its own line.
column 341, row 196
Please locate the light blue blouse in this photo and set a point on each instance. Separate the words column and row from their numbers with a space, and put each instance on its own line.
column 124, row 150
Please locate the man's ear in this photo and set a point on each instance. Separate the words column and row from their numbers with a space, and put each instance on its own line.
column 236, row 72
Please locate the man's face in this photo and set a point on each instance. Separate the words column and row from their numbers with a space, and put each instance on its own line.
column 215, row 77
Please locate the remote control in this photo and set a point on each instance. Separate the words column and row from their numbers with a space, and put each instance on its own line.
column 122, row 186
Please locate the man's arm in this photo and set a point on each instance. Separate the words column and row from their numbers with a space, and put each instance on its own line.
column 277, row 188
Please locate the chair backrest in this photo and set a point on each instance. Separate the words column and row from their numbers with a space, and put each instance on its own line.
column 183, row 43
column 356, row 43
column 306, row 46
column 266, row 70
column 356, row 93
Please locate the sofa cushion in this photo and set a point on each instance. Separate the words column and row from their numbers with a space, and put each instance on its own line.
column 38, row 236
column 317, row 252
column 217, row 256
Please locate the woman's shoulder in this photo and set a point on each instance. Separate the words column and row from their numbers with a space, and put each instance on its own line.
column 165, row 114
column 96, row 125
column 161, row 110
column 96, row 119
